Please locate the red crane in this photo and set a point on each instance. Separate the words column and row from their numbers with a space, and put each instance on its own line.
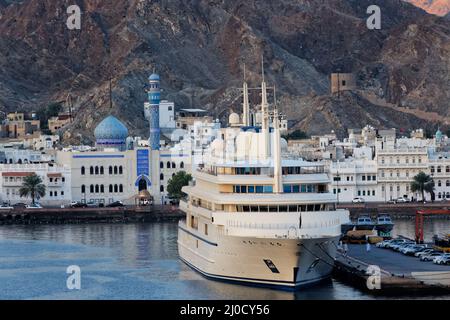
column 419, row 220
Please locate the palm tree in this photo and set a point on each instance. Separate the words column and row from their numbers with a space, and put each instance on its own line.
column 33, row 187
column 423, row 183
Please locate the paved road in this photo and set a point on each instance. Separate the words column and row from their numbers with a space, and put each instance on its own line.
column 392, row 261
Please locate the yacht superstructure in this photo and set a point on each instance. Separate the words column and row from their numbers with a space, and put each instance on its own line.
column 259, row 216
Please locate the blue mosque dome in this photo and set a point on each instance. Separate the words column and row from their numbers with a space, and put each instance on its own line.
column 111, row 133
column 154, row 77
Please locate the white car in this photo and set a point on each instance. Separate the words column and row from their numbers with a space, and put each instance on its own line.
column 358, row 200
column 402, row 200
column 34, row 206
column 442, row 258
column 6, row 207
column 423, row 252
column 383, row 244
column 430, row 256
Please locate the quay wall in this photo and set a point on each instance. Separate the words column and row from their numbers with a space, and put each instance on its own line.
column 403, row 210
column 90, row 215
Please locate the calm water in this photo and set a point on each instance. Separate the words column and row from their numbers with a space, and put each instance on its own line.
column 134, row 261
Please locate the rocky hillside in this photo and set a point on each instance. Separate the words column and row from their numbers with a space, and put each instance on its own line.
column 437, row 7
column 200, row 47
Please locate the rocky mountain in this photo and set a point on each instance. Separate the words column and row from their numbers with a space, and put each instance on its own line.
column 200, row 47
column 437, row 7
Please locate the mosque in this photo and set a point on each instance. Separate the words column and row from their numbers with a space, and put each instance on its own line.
column 122, row 168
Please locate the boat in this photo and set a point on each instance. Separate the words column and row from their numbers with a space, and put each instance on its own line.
column 383, row 224
column 256, row 215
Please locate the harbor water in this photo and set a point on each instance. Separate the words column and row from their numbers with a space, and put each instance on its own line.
column 134, row 261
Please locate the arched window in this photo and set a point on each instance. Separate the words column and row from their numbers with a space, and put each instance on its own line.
column 120, row 170
column 91, row 170
column 97, row 188
column 161, row 176
column 161, row 165
column 115, row 169
column 110, row 188
column 447, row 169
column 102, row 170
column 91, row 188
column 174, row 166
column 168, row 164
column 439, row 183
column 83, row 188
column 161, row 188
column 447, row 183
column 110, row 170
column 116, row 188
column 97, row 171
column 83, row 171
column 102, row 188
column 182, row 165
column 120, row 188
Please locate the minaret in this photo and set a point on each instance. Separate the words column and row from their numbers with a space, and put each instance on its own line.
column 154, row 97
column 246, row 104
column 276, row 152
column 265, row 115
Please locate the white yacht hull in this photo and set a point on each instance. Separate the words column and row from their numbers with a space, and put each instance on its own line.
column 286, row 263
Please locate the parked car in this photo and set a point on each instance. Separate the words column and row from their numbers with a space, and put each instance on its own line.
column 6, row 206
column 34, row 206
column 430, row 256
column 392, row 201
column 92, row 204
column 442, row 258
column 358, row 200
column 445, row 260
column 411, row 250
column 402, row 200
column 75, row 204
column 20, row 205
column 115, row 204
column 424, row 252
column 401, row 246
column 383, row 244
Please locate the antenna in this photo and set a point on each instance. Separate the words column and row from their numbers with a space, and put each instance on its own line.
column 110, row 94
column 262, row 67
column 244, row 73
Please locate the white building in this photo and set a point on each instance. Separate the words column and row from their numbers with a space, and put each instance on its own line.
column 57, row 180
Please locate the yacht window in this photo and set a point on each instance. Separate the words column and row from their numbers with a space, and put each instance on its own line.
column 254, row 209
column 259, row 189
column 292, row 208
column 273, row 208
column 296, row 188
column 263, row 208
column 317, row 207
column 283, row 209
column 246, row 208
column 268, row 189
column 243, row 189
column 310, row 207
column 302, row 208
column 251, row 189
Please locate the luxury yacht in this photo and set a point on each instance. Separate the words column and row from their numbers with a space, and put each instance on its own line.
column 257, row 215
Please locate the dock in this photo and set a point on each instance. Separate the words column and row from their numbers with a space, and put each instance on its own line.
column 399, row 274
column 90, row 215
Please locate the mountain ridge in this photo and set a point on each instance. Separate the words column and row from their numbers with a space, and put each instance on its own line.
column 199, row 48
